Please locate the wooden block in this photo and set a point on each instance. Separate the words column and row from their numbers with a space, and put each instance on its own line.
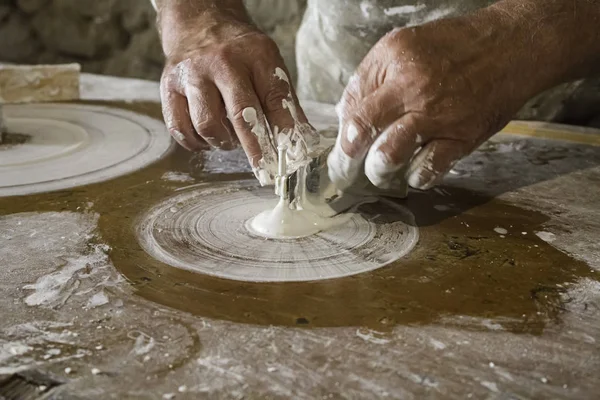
column 39, row 83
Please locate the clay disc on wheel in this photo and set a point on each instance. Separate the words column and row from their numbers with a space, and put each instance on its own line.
column 205, row 230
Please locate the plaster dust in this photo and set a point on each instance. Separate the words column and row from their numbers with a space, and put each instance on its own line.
column 72, row 145
column 211, row 223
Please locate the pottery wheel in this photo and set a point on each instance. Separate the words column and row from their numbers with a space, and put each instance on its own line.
column 58, row 146
column 204, row 230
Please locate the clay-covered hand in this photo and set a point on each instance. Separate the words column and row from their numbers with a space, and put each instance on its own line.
column 220, row 81
column 423, row 98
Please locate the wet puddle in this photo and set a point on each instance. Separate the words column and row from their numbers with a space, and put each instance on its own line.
column 462, row 265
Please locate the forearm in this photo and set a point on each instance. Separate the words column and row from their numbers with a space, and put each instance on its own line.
column 203, row 18
column 560, row 38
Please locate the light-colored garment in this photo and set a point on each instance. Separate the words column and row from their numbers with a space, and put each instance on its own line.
column 336, row 35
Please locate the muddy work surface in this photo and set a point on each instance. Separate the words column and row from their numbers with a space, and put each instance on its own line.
column 500, row 298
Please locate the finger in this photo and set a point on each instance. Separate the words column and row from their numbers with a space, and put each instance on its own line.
column 433, row 161
column 364, row 81
column 274, row 90
column 208, row 115
column 284, row 114
column 177, row 119
column 247, row 118
column 390, row 154
column 358, row 131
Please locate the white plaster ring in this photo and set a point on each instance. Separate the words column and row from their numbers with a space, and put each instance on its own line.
column 72, row 145
column 204, row 230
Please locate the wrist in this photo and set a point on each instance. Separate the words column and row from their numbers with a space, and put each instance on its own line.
column 185, row 25
column 547, row 42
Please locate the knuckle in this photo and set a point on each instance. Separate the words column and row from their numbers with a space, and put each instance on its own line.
column 168, row 80
column 347, row 103
column 221, row 59
column 399, row 38
column 175, row 77
column 362, row 122
column 169, row 111
column 273, row 100
column 209, row 129
column 195, row 87
column 265, row 43
column 236, row 114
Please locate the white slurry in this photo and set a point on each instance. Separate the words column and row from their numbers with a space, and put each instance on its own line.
column 73, row 145
column 401, row 10
column 173, row 176
column 295, row 148
column 288, row 219
column 548, row 237
column 351, row 134
column 301, row 139
column 265, row 168
column 286, row 222
column 500, row 231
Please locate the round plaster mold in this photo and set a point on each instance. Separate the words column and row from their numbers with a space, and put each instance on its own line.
column 205, row 230
column 61, row 146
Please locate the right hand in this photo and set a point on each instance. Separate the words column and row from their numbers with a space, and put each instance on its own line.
column 214, row 71
column 426, row 96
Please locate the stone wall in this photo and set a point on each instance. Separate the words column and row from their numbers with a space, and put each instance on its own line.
column 118, row 37
column 114, row 37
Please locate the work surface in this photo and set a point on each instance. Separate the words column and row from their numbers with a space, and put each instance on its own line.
column 500, row 298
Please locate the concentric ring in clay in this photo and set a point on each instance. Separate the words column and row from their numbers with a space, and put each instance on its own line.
column 204, row 230
column 72, row 145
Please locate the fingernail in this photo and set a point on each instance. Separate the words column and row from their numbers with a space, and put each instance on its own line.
column 378, row 168
column 343, row 169
column 264, row 178
column 178, row 136
column 351, row 133
column 422, row 179
column 225, row 145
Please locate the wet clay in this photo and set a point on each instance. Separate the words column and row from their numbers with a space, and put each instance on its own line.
column 8, row 140
column 279, row 221
column 300, row 141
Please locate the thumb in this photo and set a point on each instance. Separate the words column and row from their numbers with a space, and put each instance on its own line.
column 359, row 128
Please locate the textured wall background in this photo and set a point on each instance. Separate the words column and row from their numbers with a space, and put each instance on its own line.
column 115, row 37
column 118, row 37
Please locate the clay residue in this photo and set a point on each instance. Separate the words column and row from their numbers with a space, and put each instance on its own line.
column 9, row 140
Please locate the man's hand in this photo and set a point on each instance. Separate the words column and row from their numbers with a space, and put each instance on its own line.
column 219, row 83
column 426, row 96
